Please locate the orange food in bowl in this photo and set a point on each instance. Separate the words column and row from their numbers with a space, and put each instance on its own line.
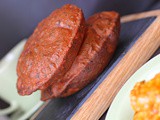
column 145, row 99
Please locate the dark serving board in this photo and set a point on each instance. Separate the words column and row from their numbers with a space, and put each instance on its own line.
column 64, row 108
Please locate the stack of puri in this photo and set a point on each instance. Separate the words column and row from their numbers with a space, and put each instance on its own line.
column 65, row 52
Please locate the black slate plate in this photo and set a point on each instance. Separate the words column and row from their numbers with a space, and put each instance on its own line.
column 64, row 108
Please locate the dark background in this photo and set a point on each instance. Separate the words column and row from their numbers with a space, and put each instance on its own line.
column 18, row 18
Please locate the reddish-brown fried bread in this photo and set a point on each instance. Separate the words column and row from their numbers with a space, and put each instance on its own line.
column 100, row 42
column 51, row 49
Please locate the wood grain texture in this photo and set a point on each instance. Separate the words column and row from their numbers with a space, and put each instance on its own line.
column 102, row 97
column 142, row 15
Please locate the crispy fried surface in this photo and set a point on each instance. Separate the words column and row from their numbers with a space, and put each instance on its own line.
column 99, row 45
column 145, row 99
column 51, row 49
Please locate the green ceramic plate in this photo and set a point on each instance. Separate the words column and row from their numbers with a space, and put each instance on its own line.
column 120, row 108
column 22, row 106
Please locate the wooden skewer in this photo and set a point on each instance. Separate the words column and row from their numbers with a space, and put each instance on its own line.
column 132, row 17
column 102, row 97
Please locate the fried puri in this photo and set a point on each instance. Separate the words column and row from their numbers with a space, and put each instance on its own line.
column 100, row 42
column 51, row 49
